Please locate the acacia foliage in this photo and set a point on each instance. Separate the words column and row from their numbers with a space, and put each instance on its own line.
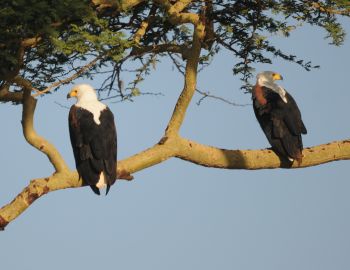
column 45, row 41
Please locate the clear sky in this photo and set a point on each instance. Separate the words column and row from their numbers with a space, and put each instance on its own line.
column 177, row 215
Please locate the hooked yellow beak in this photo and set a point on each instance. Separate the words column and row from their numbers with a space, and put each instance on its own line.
column 72, row 93
column 277, row 77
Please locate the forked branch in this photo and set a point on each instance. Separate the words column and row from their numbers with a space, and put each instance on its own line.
column 184, row 149
column 190, row 83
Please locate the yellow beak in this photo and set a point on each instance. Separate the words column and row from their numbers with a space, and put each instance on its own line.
column 72, row 93
column 277, row 77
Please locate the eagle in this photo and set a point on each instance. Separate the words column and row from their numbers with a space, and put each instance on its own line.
column 94, row 139
column 279, row 116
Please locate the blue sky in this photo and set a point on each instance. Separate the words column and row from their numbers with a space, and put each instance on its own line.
column 177, row 215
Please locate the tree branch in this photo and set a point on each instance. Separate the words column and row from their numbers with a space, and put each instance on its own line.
column 144, row 25
column 161, row 48
column 29, row 104
column 36, row 188
column 148, row 158
column 70, row 179
column 122, row 5
column 190, row 83
column 179, row 6
column 213, row 157
column 69, row 79
column 176, row 16
column 30, row 42
column 184, row 149
column 7, row 96
column 208, row 95
column 320, row 7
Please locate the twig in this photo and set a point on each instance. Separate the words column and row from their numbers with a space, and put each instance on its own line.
column 69, row 79
column 61, row 105
column 208, row 95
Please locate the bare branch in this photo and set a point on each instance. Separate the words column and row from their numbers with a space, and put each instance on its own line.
column 208, row 95
column 185, row 149
column 29, row 104
column 69, row 179
column 209, row 156
column 161, row 48
column 190, row 83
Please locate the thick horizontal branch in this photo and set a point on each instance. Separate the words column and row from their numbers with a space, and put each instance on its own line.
column 175, row 13
column 161, row 48
column 119, row 5
column 184, row 149
column 213, row 157
column 147, row 158
column 70, row 179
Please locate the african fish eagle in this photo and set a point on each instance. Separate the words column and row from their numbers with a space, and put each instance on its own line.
column 278, row 116
column 93, row 137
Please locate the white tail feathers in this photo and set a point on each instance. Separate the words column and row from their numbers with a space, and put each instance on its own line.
column 102, row 181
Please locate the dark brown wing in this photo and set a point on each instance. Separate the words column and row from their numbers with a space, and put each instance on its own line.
column 94, row 146
column 281, row 123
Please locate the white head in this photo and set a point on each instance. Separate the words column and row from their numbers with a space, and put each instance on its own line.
column 87, row 99
column 83, row 93
column 268, row 76
column 267, row 79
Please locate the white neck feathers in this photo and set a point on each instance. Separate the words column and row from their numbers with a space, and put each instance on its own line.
column 93, row 106
column 87, row 99
column 274, row 87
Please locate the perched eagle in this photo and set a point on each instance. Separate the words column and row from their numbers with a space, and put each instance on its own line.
column 94, row 140
column 278, row 116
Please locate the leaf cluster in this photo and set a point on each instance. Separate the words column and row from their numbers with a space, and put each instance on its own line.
column 64, row 35
column 22, row 20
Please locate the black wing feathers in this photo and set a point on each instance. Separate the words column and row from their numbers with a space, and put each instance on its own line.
column 94, row 146
column 292, row 116
column 281, row 123
column 109, row 145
